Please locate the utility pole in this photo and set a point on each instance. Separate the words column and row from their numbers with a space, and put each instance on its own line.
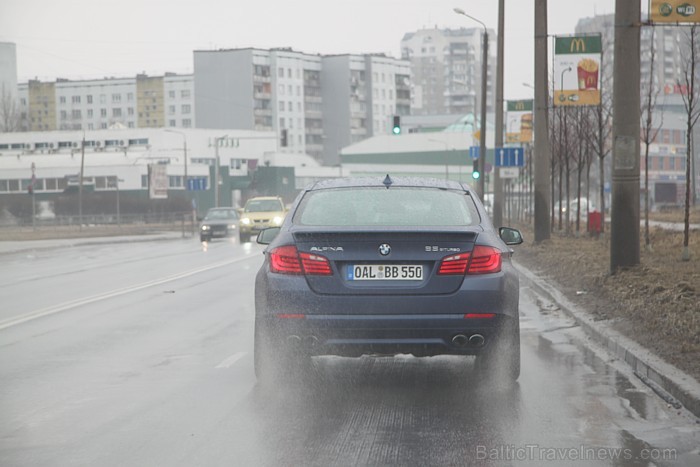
column 542, row 151
column 482, row 132
column 497, row 184
column 624, row 212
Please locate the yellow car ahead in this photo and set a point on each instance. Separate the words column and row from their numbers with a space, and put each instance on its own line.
column 260, row 213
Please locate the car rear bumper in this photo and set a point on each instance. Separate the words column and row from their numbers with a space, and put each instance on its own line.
column 355, row 335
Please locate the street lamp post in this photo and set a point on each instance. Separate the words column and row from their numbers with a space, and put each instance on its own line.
column 447, row 172
column 216, row 169
column 484, row 85
column 185, row 178
column 184, row 143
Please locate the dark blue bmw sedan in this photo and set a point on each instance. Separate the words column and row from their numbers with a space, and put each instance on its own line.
column 386, row 266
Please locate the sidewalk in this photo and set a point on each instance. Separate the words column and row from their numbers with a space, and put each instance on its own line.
column 664, row 379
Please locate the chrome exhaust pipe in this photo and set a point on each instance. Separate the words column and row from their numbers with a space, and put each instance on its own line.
column 460, row 340
column 293, row 340
column 476, row 340
column 310, row 341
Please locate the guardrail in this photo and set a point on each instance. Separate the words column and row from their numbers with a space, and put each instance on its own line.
column 99, row 224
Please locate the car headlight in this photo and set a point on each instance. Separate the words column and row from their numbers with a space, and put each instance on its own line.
column 277, row 220
column 232, row 226
column 245, row 221
column 205, row 227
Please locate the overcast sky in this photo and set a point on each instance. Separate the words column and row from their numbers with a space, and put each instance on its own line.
column 87, row 39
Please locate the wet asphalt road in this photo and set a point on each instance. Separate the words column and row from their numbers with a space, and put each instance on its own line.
column 141, row 354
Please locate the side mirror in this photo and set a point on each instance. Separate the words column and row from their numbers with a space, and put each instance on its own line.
column 510, row 236
column 266, row 236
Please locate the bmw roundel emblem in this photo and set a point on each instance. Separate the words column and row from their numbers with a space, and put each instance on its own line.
column 384, row 249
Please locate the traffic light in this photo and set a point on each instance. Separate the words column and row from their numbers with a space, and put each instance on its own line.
column 283, row 138
column 476, row 173
column 396, row 129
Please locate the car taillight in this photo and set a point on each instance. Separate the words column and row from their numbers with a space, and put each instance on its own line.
column 454, row 264
column 288, row 260
column 315, row 265
column 482, row 260
column 285, row 260
column 485, row 260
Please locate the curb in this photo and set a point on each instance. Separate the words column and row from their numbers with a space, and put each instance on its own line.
column 18, row 246
column 647, row 366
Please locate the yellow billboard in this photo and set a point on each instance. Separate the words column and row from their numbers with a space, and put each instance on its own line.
column 674, row 11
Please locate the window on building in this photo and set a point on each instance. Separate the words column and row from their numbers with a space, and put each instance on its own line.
column 89, row 98
column 103, row 113
column 103, row 99
column 281, row 106
column 171, row 109
column 172, row 123
column 280, row 72
column 185, row 94
column 171, row 94
column 75, row 99
column 130, row 96
column 186, row 123
column 130, row 111
column 76, row 114
column 89, row 113
column 64, row 115
column 281, row 122
column 186, row 108
column 116, row 97
column 117, row 112
column 62, row 99
column 281, row 89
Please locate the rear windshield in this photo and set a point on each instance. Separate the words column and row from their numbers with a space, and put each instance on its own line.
column 378, row 206
column 221, row 214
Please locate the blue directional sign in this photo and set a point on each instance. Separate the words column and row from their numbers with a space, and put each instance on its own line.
column 474, row 152
column 509, row 157
column 197, row 184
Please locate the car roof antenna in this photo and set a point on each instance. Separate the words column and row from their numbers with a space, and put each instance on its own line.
column 387, row 181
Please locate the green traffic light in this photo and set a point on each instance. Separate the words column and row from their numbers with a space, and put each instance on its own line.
column 396, row 130
column 476, row 175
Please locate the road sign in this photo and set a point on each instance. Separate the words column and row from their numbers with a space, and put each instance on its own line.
column 196, row 184
column 474, row 152
column 509, row 172
column 509, row 157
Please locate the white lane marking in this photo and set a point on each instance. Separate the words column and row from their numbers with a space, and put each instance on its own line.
column 228, row 362
column 114, row 293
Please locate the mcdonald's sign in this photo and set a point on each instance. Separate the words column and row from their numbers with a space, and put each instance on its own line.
column 523, row 105
column 577, row 70
column 578, row 45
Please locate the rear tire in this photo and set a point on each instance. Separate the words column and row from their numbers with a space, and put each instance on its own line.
column 501, row 360
column 277, row 364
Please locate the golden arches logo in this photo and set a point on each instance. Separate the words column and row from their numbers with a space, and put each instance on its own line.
column 578, row 45
column 520, row 106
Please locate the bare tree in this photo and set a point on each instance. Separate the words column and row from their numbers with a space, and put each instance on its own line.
column 691, row 101
column 9, row 112
column 649, row 131
column 602, row 130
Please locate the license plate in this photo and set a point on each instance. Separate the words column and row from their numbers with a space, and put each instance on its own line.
column 385, row 272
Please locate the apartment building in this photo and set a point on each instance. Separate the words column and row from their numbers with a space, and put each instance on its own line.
column 139, row 102
column 446, row 67
column 361, row 94
column 315, row 104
